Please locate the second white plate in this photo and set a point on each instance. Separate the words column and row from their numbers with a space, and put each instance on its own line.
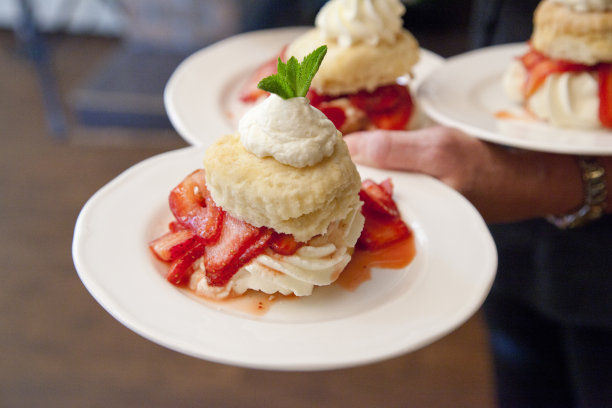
column 201, row 96
column 466, row 93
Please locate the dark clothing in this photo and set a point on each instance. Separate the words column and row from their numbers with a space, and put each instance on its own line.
column 549, row 312
column 542, row 363
column 549, row 315
column 565, row 275
column 501, row 21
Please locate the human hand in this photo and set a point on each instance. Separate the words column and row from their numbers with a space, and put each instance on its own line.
column 442, row 152
column 503, row 184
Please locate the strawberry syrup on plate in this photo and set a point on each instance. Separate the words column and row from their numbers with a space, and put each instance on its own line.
column 359, row 270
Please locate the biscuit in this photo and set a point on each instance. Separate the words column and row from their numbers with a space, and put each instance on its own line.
column 361, row 66
column 582, row 37
column 264, row 192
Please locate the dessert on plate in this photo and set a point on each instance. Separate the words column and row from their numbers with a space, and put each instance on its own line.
column 565, row 78
column 277, row 207
column 363, row 82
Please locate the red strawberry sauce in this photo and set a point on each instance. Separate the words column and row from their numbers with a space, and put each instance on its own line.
column 359, row 270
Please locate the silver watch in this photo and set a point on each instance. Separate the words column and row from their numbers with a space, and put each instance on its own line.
column 595, row 195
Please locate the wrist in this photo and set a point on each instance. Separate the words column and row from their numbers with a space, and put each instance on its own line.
column 595, row 196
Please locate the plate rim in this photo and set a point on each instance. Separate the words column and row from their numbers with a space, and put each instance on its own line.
column 220, row 46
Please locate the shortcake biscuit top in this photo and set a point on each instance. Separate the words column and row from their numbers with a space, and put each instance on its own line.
column 264, row 192
column 578, row 31
column 367, row 45
column 586, row 5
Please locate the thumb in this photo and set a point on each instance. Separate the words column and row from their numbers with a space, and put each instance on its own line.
column 380, row 148
column 369, row 147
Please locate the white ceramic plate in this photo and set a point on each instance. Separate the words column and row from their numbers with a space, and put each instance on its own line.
column 395, row 312
column 466, row 92
column 201, row 96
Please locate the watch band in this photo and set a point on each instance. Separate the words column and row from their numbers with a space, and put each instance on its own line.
column 595, row 195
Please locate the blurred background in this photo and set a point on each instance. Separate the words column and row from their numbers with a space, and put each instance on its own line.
column 81, row 86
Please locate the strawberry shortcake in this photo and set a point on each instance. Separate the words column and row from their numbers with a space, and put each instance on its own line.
column 565, row 78
column 277, row 207
column 363, row 82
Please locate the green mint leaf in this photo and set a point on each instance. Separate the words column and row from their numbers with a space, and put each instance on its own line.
column 309, row 67
column 275, row 84
column 293, row 69
column 292, row 78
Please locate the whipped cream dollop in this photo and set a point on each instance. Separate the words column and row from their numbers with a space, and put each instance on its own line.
column 290, row 130
column 317, row 263
column 569, row 99
column 353, row 21
column 586, row 5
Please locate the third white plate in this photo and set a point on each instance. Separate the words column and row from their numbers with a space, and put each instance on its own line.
column 466, row 92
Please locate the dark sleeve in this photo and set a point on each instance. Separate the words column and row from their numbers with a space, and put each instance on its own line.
column 501, row 21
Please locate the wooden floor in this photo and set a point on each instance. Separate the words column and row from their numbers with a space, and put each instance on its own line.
column 59, row 348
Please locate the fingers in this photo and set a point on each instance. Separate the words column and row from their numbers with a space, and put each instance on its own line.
column 401, row 150
column 369, row 148
column 441, row 152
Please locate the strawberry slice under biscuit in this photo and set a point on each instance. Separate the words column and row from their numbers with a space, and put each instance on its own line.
column 223, row 258
column 193, row 207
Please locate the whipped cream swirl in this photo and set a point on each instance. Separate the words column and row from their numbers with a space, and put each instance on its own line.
column 586, row 5
column 353, row 21
column 290, row 130
column 569, row 99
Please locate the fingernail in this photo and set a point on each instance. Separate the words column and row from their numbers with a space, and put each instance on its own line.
column 352, row 144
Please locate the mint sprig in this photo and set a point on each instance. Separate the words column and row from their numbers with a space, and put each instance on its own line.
column 293, row 79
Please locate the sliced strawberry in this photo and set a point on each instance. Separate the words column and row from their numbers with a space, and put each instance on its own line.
column 250, row 92
column 335, row 114
column 284, row 244
column 222, row 258
column 175, row 226
column 396, row 119
column 379, row 232
column 536, row 75
column 383, row 224
column 181, row 270
column 317, row 99
column 257, row 247
column 377, row 200
column 387, row 185
column 531, row 58
column 388, row 107
column 382, row 99
column 172, row 245
column 605, row 94
column 193, row 207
